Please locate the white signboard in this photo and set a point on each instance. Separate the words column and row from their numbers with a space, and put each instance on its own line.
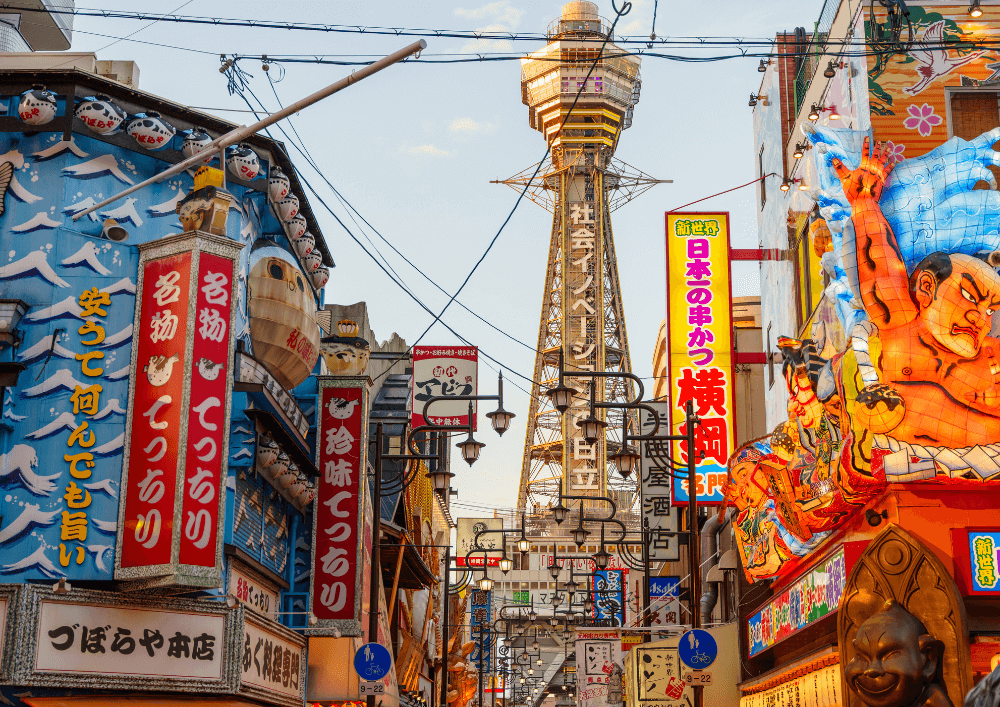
column 597, row 653
column 89, row 639
column 250, row 592
column 655, row 482
column 271, row 662
column 441, row 371
column 466, row 534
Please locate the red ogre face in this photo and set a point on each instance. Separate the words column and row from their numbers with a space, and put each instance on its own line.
column 957, row 312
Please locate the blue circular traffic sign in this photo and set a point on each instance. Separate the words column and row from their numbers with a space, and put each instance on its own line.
column 697, row 649
column 372, row 661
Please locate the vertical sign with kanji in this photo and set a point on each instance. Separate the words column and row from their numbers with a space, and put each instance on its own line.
column 583, row 341
column 441, row 371
column 335, row 595
column 700, row 345
column 481, row 622
column 174, row 470
column 659, row 517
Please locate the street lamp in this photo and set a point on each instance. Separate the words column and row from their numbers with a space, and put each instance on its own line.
column 580, row 533
column 485, row 583
column 592, row 426
column 440, row 478
column 559, row 512
column 469, row 446
column 554, row 569
column 625, row 459
column 561, row 395
column 506, row 564
column 588, row 605
column 555, row 600
column 500, row 417
column 602, row 558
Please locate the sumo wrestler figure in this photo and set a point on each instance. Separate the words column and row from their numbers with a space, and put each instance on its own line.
column 896, row 663
column 933, row 325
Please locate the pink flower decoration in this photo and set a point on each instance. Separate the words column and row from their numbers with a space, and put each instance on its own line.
column 894, row 150
column 921, row 119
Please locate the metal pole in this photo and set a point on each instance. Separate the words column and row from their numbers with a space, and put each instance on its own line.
column 237, row 134
column 444, row 627
column 481, row 647
column 376, row 532
column 646, row 618
column 694, row 536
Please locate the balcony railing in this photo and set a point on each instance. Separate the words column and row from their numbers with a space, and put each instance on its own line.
column 814, row 51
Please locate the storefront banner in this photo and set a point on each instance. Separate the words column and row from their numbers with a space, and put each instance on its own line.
column 819, row 688
column 91, row 639
column 440, row 371
column 700, row 345
column 466, row 535
column 809, row 599
column 211, row 381
column 655, row 677
column 335, row 595
column 252, row 592
column 655, row 484
column 155, row 416
column 177, row 430
column 983, row 548
column 597, row 652
column 273, row 662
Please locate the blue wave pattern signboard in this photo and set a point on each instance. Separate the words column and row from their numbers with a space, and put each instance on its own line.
column 65, row 421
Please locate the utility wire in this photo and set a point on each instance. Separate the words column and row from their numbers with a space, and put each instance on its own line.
column 234, row 81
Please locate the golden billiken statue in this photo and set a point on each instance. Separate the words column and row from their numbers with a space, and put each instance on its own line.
column 936, row 353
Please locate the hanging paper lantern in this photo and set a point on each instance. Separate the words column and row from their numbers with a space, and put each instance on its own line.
column 304, row 499
column 151, row 132
column 101, row 115
column 296, row 228
column 279, row 467
column 243, row 162
column 304, row 244
column 196, row 142
column 312, row 261
column 320, row 276
column 288, row 208
column 38, row 106
column 278, row 185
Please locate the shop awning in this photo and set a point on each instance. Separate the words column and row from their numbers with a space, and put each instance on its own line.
column 413, row 571
column 136, row 700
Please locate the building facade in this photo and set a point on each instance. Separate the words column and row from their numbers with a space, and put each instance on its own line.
column 869, row 488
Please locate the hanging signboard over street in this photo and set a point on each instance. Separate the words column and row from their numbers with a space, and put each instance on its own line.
column 466, row 536
column 655, row 483
column 700, row 345
column 372, row 661
column 440, row 371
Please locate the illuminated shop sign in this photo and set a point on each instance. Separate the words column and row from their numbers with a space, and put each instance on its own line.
column 700, row 344
column 812, row 597
column 983, row 560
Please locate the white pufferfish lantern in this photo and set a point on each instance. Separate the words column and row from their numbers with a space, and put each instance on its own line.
column 101, row 115
column 278, row 184
column 196, row 142
column 152, row 131
column 243, row 162
column 37, row 106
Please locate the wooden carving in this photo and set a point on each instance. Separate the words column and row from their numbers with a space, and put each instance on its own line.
column 896, row 566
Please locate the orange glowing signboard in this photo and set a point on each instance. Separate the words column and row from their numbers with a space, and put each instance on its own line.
column 700, row 345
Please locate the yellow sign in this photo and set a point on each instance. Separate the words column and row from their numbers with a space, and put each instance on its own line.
column 700, row 345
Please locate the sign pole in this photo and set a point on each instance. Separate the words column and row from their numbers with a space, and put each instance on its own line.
column 444, row 623
column 376, row 532
column 694, row 536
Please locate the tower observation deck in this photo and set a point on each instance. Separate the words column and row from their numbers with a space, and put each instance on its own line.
column 582, row 315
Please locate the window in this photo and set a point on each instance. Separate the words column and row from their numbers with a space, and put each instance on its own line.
column 972, row 114
column 760, row 175
column 395, row 445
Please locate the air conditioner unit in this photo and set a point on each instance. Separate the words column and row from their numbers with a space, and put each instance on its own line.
column 124, row 72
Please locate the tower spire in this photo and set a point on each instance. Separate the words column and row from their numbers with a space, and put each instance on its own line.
column 582, row 314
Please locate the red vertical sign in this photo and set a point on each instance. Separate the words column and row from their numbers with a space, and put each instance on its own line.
column 158, row 373
column 206, row 424
column 341, row 440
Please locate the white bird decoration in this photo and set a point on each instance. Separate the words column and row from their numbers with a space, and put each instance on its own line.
column 935, row 63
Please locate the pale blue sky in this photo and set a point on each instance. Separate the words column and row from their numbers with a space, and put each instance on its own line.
column 415, row 147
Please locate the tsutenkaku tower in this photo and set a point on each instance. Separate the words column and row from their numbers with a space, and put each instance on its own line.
column 582, row 312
